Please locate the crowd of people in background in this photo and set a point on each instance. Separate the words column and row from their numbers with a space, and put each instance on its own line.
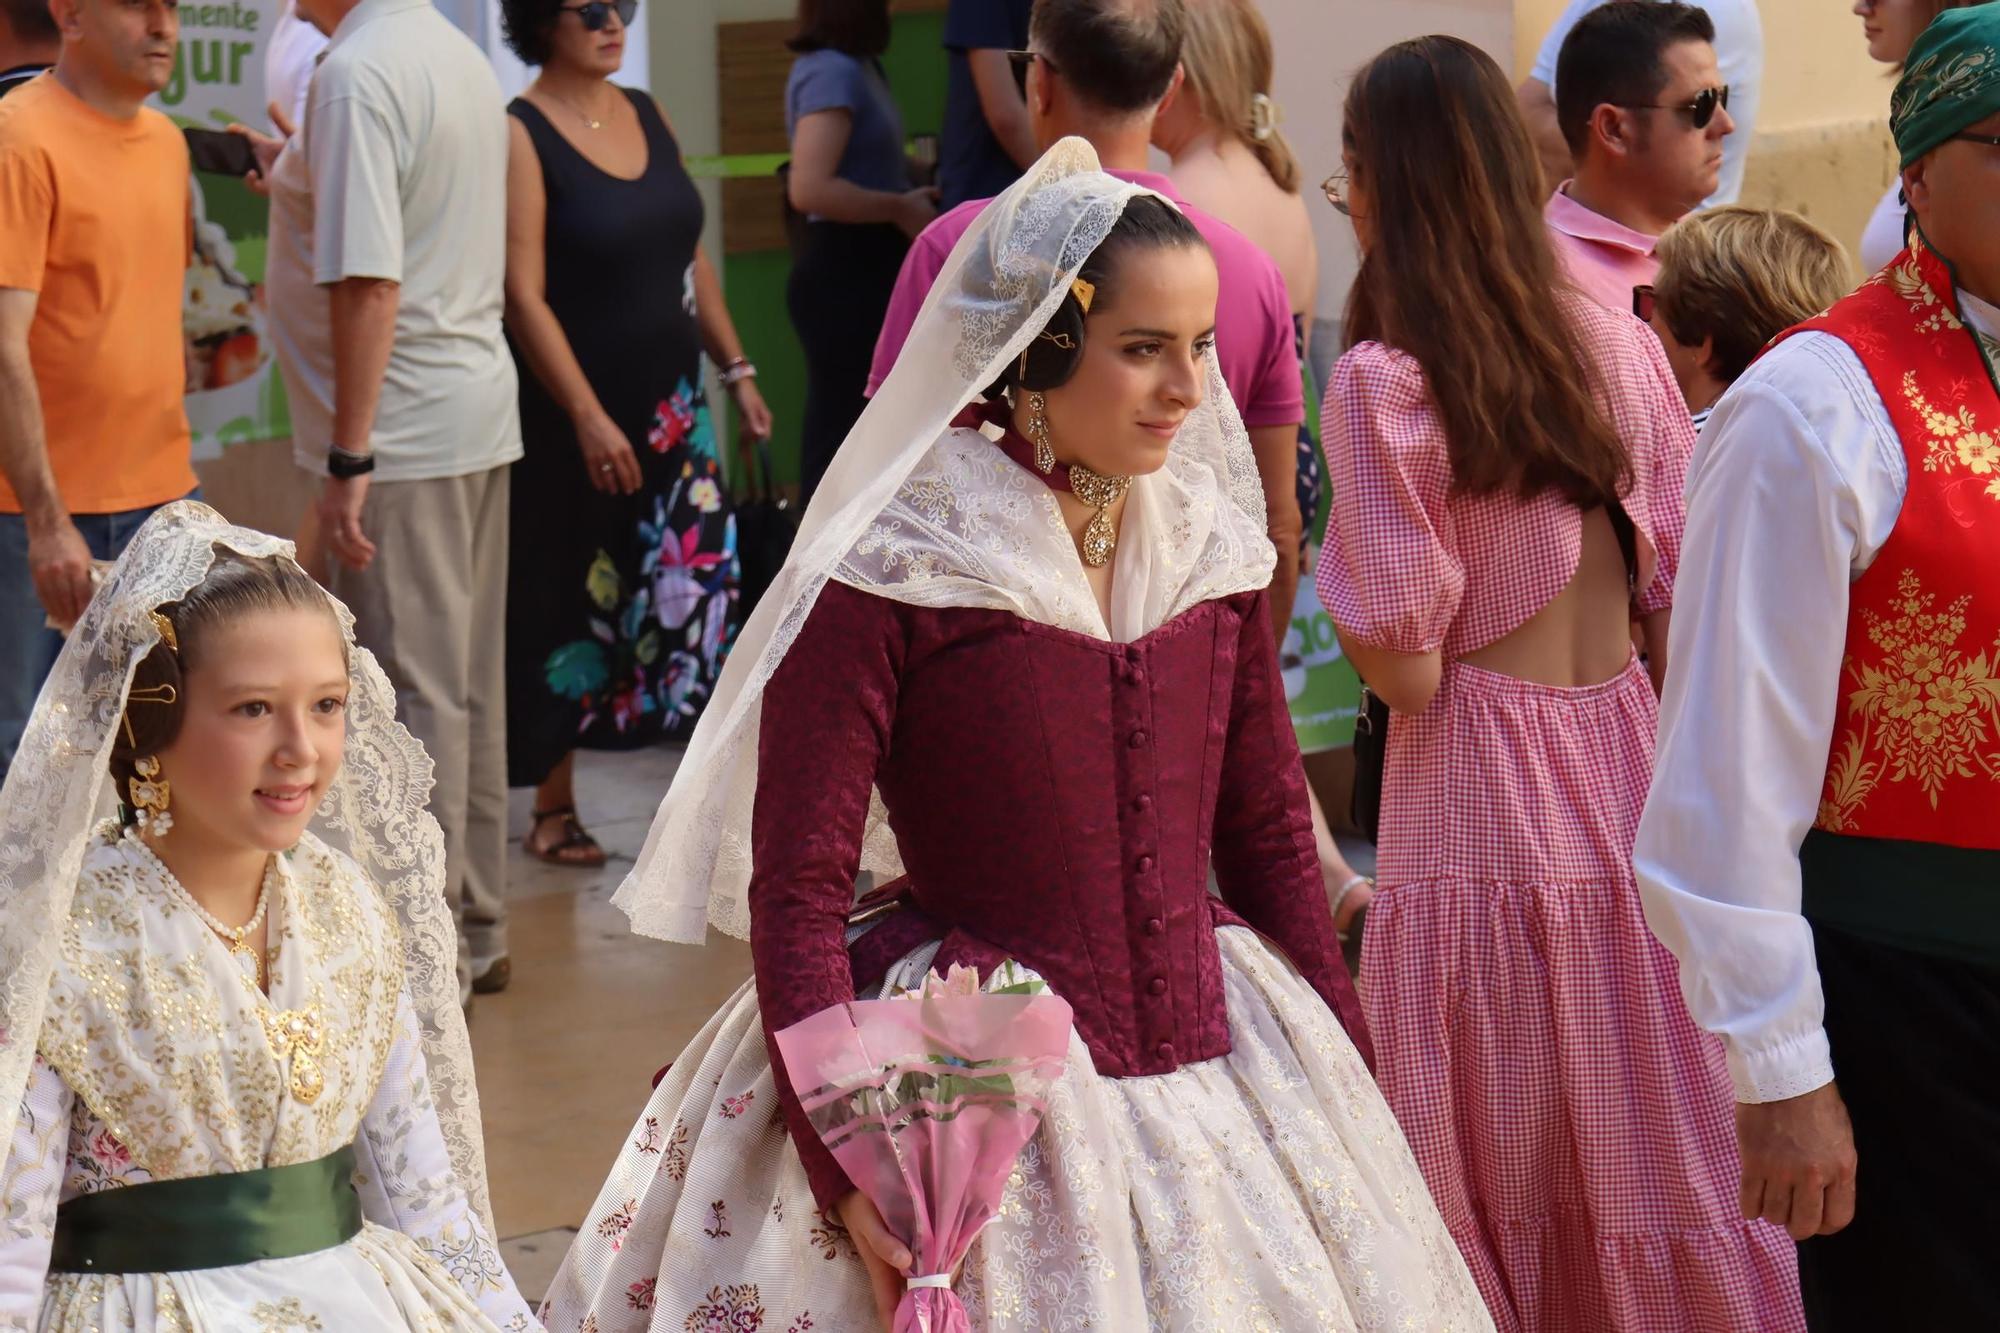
column 1562, row 478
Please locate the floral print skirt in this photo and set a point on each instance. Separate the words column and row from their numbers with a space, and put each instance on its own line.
column 1268, row 1189
column 621, row 608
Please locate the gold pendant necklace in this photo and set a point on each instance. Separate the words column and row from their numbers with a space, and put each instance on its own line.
column 1100, row 539
column 298, row 1035
column 580, row 113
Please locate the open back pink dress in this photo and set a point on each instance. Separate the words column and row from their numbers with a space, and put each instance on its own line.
column 1573, row 1124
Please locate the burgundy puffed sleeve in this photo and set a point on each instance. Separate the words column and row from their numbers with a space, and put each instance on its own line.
column 824, row 729
column 1264, row 857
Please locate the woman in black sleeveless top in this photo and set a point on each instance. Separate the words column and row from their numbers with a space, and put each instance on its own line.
column 622, row 591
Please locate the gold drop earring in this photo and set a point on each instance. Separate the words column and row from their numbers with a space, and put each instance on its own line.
column 1038, row 431
column 151, row 794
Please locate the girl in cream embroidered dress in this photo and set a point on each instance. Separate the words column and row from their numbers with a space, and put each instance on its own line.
column 157, row 1057
column 156, row 1064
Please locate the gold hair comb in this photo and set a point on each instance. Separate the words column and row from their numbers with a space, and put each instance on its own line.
column 1085, row 292
column 150, row 694
column 1062, row 340
column 166, row 629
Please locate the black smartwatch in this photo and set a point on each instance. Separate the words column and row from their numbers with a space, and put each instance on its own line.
column 343, row 464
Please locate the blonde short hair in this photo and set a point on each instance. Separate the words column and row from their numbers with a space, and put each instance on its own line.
column 1227, row 60
column 1742, row 276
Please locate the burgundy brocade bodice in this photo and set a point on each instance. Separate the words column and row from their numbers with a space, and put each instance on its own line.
column 1057, row 800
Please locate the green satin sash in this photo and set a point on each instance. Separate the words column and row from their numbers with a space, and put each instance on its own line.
column 178, row 1226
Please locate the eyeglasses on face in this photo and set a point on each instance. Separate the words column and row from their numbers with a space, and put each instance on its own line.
column 597, row 13
column 1643, row 302
column 1700, row 111
column 1021, row 61
column 1335, row 187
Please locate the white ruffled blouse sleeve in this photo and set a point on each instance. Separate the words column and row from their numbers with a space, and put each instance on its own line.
column 30, row 1187
column 404, row 1175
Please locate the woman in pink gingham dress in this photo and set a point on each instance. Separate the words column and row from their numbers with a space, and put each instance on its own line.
column 1572, row 1123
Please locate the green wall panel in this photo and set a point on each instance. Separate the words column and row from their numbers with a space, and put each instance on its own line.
column 756, row 287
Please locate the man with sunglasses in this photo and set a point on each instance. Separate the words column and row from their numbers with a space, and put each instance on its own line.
column 1821, row 848
column 1645, row 112
column 386, row 280
column 1739, row 49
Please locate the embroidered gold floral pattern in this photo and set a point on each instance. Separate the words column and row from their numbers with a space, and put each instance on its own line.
column 165, row 1043
column 1926, row 710
column 286, row 1316
column 1934, row 315
column 1955, row 443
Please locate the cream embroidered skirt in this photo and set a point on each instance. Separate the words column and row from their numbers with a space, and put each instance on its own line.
column 378, row 1281
column 1267, row 1189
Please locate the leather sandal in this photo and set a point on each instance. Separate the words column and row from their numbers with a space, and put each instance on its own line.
column 577, row 849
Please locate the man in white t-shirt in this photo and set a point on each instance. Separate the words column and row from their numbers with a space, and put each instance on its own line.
column 386, row 283
column 1739, row 50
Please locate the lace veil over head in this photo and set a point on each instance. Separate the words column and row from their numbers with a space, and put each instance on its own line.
column 920, row 512
column 58, row 793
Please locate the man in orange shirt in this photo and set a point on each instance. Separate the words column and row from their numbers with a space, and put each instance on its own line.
column 94, row 235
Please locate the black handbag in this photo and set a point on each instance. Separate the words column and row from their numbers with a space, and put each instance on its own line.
column 764, row 532
column 1371, row 744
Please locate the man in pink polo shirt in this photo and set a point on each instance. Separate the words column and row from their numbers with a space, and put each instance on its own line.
column 1099, row 70
column 1641, row 102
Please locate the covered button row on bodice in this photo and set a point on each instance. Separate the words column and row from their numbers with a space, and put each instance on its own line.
column 1057, row 800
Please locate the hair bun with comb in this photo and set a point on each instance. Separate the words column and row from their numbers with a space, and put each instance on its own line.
column 1264, row 117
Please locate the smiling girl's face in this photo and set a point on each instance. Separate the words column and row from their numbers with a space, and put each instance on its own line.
column 1146, row 349
column 263, row 728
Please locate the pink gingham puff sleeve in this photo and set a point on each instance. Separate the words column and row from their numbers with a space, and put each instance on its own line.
column 1389, row 571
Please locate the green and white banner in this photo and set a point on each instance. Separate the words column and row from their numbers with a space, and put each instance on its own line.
column 1320, row 685
column 234, row 394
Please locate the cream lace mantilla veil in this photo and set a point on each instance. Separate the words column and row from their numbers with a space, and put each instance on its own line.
column 933, row 516
column 58, row 792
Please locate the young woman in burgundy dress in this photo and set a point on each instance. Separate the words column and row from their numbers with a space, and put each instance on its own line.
column 1489, row 433
column 1022, row 655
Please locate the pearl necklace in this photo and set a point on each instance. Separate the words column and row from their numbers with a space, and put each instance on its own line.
column 247, row 956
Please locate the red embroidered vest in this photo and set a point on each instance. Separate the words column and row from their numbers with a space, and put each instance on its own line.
column 1916, row 748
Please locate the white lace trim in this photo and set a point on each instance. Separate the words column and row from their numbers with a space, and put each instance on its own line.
column 931, row 516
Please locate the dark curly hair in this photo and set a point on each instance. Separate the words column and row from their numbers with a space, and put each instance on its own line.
column 235, row 586
column 31, row 20
column 1148, row 223
column 528, row 26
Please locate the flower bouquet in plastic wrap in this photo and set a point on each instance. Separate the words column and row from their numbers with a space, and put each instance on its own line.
column 926, row 1099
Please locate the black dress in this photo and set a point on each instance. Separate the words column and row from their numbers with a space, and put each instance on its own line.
column 620, row 608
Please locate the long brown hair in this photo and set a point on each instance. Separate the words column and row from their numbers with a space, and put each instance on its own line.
column 1460, row 274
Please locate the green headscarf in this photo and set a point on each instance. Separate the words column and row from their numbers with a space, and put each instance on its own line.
column 1950, row 81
